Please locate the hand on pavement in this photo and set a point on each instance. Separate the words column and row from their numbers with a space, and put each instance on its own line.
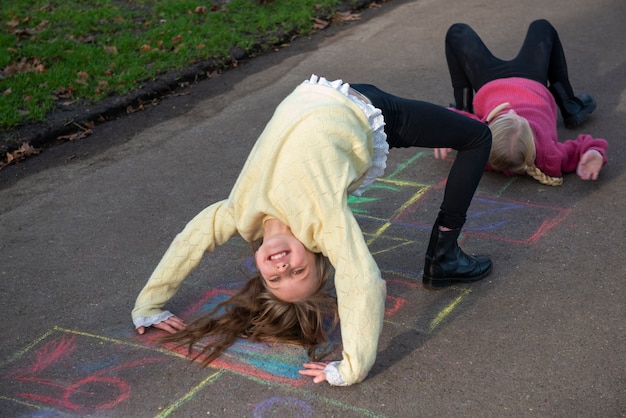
column 171, row 325
column 442, row 153
column 315, row 370
column 590, row 165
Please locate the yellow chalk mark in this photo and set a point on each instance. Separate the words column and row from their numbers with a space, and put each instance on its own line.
column 116, row 341
column 31, row 405
column 401, row 209
column 393, row 247
column 401, row 167
column 190, row 394
column 448, row 310
column 28, row 347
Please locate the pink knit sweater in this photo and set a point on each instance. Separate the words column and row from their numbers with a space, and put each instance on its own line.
column 534, row 102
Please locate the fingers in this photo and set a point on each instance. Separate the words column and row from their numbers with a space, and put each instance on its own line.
column 172, row 325
column 318, row 365
column 590, row 165
column 319, row 379
column 314, row 370
column 176, row 322
column 442, row 153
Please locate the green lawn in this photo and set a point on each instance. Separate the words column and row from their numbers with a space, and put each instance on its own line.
column 59, row 52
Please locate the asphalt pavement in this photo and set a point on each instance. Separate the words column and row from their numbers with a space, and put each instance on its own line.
column 83, row 225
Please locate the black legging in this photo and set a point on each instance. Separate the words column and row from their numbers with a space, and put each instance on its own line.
column 413, row 123
column 472, row 65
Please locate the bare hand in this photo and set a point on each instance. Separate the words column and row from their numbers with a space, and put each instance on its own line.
column 442, row 153
column 171, row 325
column 315, row 370
column 590, row 165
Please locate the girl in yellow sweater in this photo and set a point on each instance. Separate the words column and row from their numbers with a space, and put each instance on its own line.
column 326, row 140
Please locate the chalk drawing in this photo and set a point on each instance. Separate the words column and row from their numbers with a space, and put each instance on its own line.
column 74, row 373
column 78, row 374
column 283, row 407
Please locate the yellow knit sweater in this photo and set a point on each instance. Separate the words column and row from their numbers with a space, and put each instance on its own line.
column 310, row 156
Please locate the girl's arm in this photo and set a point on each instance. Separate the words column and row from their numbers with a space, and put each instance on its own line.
column 573, row 155
column 210, row 228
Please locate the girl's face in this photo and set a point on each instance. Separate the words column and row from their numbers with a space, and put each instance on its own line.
column 288, row 268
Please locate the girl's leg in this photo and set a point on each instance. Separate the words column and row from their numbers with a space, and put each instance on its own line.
column 542, row 59
column 413, row 123
column 470, row 63
column 541, row 56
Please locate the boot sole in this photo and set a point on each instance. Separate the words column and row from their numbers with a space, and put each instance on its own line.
column 580, row 117
column 441, row 283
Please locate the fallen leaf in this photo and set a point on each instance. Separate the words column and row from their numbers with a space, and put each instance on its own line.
column 111, row 50
column 130, row 109
column 85, row 131
column 346, row 16
column 320, row 24
column 76, row 135
column 62, row 93
column 24, row 65
column 25, row 150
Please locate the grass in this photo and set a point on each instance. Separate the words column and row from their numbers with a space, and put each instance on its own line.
column 56, row 53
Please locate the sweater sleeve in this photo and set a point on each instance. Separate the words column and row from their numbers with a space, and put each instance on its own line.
column 210, row 228
column 332, row 156
column 360, row 296
column 555, row 158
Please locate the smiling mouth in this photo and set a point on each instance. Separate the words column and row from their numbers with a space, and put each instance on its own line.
column 278, row 255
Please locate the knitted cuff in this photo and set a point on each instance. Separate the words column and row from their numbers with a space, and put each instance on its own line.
column 333, row 376
column 143, row 321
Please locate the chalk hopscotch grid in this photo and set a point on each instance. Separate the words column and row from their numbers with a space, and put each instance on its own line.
column 490, row 217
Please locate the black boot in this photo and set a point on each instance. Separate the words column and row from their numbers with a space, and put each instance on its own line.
column 574, row 109
column 446, row 262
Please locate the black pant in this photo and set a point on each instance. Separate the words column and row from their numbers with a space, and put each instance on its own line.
column 472, row 65
column 413, row 123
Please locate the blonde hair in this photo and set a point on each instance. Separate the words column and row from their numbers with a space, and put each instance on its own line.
column 513, row 145
column 253, row 312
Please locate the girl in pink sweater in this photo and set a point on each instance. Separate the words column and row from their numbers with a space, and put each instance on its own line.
column 519, row 99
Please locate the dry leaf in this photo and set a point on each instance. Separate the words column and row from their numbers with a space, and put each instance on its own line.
column 346, row 16
column 130, row 109
column 62, row 93
column 78, row 135
column 26, row 150
column 24, row 65
column 84, row 132
column 320, row 24
column 111, row 50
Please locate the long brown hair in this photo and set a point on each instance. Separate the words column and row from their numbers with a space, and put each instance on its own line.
column 253, row 312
